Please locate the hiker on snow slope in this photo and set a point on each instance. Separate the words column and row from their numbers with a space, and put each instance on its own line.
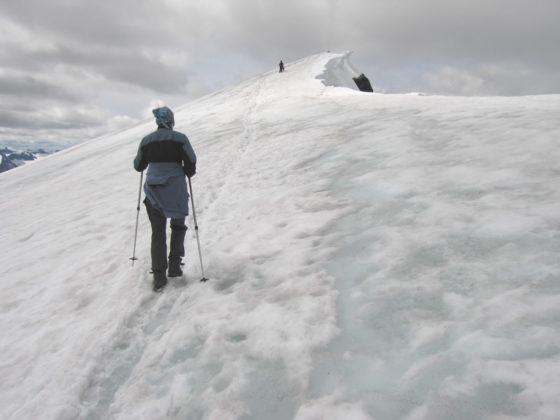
column 169, row 156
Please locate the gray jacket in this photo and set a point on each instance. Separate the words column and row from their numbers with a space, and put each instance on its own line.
column 169, row 157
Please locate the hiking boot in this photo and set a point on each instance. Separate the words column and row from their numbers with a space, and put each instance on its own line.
column 175, row 268
column 159, row 281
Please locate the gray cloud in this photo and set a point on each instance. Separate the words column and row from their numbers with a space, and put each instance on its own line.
column 61, row 54
column 19, row 86
column 50, row 116
column 402, row 33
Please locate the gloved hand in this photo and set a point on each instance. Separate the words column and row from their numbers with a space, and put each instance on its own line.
column 189, row 170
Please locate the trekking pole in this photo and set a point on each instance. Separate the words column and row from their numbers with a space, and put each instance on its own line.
column 196, row 230
column 137, row 214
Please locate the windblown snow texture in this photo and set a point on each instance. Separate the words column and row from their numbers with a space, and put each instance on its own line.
column 372, row 257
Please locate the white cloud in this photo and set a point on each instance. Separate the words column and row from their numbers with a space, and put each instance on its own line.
column 154, row 103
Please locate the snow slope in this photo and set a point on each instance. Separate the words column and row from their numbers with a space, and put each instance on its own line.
column 371, row 257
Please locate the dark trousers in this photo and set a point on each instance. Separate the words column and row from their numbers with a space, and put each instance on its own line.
column 159, row 239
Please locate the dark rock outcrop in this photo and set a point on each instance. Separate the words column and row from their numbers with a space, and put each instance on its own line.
column 363, row 83
column 6, row 164
column 10, row 159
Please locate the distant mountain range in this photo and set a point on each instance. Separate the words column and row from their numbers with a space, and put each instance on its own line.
column 10, row 159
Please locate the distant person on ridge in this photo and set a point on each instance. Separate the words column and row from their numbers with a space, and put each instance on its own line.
column 170, row 157
column 281, row 66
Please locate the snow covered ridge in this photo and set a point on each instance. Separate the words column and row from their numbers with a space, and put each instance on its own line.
column 370, row 257
column 10, row 159
column 339, row 72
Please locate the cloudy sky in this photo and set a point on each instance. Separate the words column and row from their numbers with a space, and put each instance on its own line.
column 71, row 70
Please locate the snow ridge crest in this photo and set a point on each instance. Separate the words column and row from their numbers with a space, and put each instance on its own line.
column 339, row 71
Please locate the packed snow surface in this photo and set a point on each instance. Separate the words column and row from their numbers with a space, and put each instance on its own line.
column 370, row 257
